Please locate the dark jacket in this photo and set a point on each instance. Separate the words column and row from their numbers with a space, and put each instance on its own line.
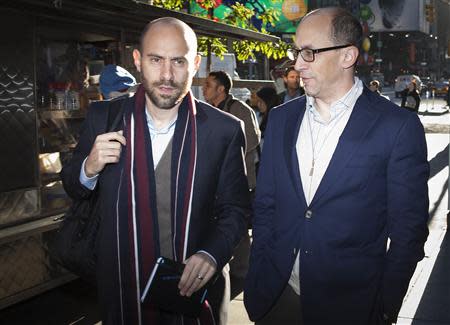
column 219, row 208
column 375, row 187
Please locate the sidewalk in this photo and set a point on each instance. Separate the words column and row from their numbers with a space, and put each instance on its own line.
column 428, row 299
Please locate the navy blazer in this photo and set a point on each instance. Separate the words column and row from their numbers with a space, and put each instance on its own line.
column 220, row 203
column 374, row 188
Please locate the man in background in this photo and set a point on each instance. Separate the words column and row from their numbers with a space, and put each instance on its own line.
column 291, row 80
column 216, row 91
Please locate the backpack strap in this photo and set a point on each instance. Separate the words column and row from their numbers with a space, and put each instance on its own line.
column 115, row 113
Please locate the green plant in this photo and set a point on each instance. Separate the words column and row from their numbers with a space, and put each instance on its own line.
column 240, row 16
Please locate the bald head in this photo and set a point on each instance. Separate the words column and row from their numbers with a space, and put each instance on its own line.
column 167, row 62
column 171, row 24
column 344, row 28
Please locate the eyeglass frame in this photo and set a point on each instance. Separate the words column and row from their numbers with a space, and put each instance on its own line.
column 295, row 53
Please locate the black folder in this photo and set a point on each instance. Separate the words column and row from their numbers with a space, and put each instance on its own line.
column 162, row 290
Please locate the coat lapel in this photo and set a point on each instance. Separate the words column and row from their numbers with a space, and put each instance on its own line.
column 362, row 119
column 292, row 129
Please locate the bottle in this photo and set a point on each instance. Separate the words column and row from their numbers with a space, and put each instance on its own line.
column 51, row 96
column 59, row 96
column 74, row 100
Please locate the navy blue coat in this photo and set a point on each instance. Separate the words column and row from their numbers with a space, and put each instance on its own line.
column 375, row 188
column 220, row 203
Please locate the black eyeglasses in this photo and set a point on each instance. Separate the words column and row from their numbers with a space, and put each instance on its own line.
column 308, row 55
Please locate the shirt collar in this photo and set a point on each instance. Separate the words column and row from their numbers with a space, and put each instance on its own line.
column 287, row 97
column 344, row 103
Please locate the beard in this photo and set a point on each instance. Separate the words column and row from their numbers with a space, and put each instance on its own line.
column 165, row 101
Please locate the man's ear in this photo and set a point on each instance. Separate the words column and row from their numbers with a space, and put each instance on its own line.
column 350, row 57
column 197, row 61
column 137, row 59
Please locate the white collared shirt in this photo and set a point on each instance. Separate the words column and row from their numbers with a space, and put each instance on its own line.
column 317, row 140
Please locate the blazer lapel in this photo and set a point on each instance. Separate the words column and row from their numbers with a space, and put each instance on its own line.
column 361, row 121
column 292, row 129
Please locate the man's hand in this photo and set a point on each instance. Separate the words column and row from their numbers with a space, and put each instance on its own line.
column 197, row 272
column 106, row 150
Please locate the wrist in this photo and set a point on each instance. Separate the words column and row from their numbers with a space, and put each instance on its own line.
column 89, row 173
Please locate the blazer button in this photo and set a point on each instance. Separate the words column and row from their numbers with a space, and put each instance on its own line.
column 308, row 214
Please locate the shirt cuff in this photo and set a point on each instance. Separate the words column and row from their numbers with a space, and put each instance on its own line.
column 88, row 182
column 209, row 255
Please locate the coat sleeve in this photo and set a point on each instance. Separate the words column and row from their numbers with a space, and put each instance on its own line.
column 252, row 132
column 70, row 174
column 407, row 175
column 232, row 203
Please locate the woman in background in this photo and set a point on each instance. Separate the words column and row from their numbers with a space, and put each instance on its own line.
column 266, row 99
column 411, row 97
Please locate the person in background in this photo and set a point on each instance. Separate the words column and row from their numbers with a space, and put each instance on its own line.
column 342, row 174
column 374, row 86
column 411, row 97
column 252, row 102
column 171, row 183
column 266, row 99
column 116, row 81
column 216, row 91
column 291, row 80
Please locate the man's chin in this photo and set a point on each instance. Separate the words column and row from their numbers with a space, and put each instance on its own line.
column 169, row 104
column 164, row 101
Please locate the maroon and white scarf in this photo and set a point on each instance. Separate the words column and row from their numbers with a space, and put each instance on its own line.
column 137, row 221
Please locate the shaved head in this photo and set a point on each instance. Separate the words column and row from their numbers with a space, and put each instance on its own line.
column 344, row 28
column 183, row 28
column 167, row 61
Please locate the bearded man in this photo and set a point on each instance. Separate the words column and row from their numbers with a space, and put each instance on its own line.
column 171, row 183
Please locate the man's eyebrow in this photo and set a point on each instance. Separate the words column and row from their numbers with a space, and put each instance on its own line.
column 308, row 46
column 178, row 58
column 162, row 57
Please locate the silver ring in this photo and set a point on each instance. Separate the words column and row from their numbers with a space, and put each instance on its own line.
column 200, row 277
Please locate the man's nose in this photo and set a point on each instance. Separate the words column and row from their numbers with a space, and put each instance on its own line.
column 300, row 64
column 166, row 70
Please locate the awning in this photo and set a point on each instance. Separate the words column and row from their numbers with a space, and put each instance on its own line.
column 127, row 15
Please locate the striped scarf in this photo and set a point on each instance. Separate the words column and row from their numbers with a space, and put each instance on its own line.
column 138, row 237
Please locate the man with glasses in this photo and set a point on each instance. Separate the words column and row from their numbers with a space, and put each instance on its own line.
column 342, row 171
